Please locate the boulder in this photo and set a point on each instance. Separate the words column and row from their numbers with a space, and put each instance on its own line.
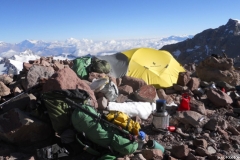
column 146, row 93
column 135, row 83
column 191, row 117
column 37, row 72
column 218, row 98
column 213, row 69
column 18, row 127
column 125, row 90
column 183, row 78
column 180, row 151
column 4, row 90
column 68, row 79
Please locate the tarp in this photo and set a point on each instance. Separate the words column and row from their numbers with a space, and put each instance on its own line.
column 156, row 67
column 118, row 63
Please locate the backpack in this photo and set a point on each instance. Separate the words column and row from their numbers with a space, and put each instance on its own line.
column 80, row 66
column 100, row 132
column 59, row 111
column 100, row 66
column 121, row 119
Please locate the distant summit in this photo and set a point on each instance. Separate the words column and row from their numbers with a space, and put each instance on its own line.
column 225, row 38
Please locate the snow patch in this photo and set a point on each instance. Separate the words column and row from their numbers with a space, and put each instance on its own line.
column 189, row 50
column 177, row 53
column 206, row 49
column 196, row 47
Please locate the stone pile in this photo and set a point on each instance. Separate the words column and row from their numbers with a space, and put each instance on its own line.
column 209, row 130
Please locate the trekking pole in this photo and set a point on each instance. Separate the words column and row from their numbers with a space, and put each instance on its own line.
column 131, row 137
column 15, row 97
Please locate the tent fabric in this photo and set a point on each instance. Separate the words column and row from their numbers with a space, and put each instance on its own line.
column 156, row 67
column 118, row 63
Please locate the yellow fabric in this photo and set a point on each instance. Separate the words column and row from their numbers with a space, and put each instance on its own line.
column 121, row 119
column 156, row 67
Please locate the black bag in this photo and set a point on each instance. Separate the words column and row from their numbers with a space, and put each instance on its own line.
column 52, row 152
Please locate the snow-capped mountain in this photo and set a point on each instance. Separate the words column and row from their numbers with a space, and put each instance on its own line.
column 77, row 47
column 13, row 55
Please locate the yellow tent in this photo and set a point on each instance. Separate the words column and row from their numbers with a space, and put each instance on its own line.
column 156, row 67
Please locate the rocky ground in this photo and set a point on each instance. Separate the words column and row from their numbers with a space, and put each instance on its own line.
column 209, row 130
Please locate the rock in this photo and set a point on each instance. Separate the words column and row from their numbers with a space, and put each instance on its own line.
column 4, row 90
column 233, row 130
column 102, row 103
column 119, row 81
column 68, row 79
column 222, row 84
column 162, row 95
column 200, row 143
column 138, row 157
column 183, row 78
column 217, row 156
column 180, row 151
column 125, row 90
column 194, row 83
column 197, row 106
column 191, row 117
column 214, row 123
column 223, row 133
column 6, row 79
column 152, row 154
column 135, row 83
column 170, row 90
column 211, row 150
column 36, row 72
column 235, row 139
column 21, row 102
column 146, row 93
column 18, row 128
column 121, row 98
column 202, row 151
column 219, row 98
column 16, row 91
column 212, row 69
column 225, row 146
column 178, row 87
column 58, row 66
column 26, row 66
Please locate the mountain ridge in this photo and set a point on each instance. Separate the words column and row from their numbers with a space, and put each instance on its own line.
column 225, row 38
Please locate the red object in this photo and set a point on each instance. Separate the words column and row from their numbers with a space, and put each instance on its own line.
column 171, row 128
column 223, row 89
column 184, row 105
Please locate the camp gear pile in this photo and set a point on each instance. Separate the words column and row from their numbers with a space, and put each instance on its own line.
column 69, row 108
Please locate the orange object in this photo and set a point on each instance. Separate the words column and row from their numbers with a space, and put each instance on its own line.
column 184, row 105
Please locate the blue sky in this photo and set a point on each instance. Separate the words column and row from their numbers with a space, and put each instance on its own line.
column 51, row 20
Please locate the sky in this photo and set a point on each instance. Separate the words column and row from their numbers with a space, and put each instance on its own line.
column 58, row 20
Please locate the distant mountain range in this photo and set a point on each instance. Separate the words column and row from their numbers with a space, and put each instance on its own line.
column 225, row 38
column 75, row 47
column 13, row 55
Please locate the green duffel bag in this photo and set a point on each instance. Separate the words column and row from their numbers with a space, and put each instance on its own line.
column 101, row 133
column 80, row 66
